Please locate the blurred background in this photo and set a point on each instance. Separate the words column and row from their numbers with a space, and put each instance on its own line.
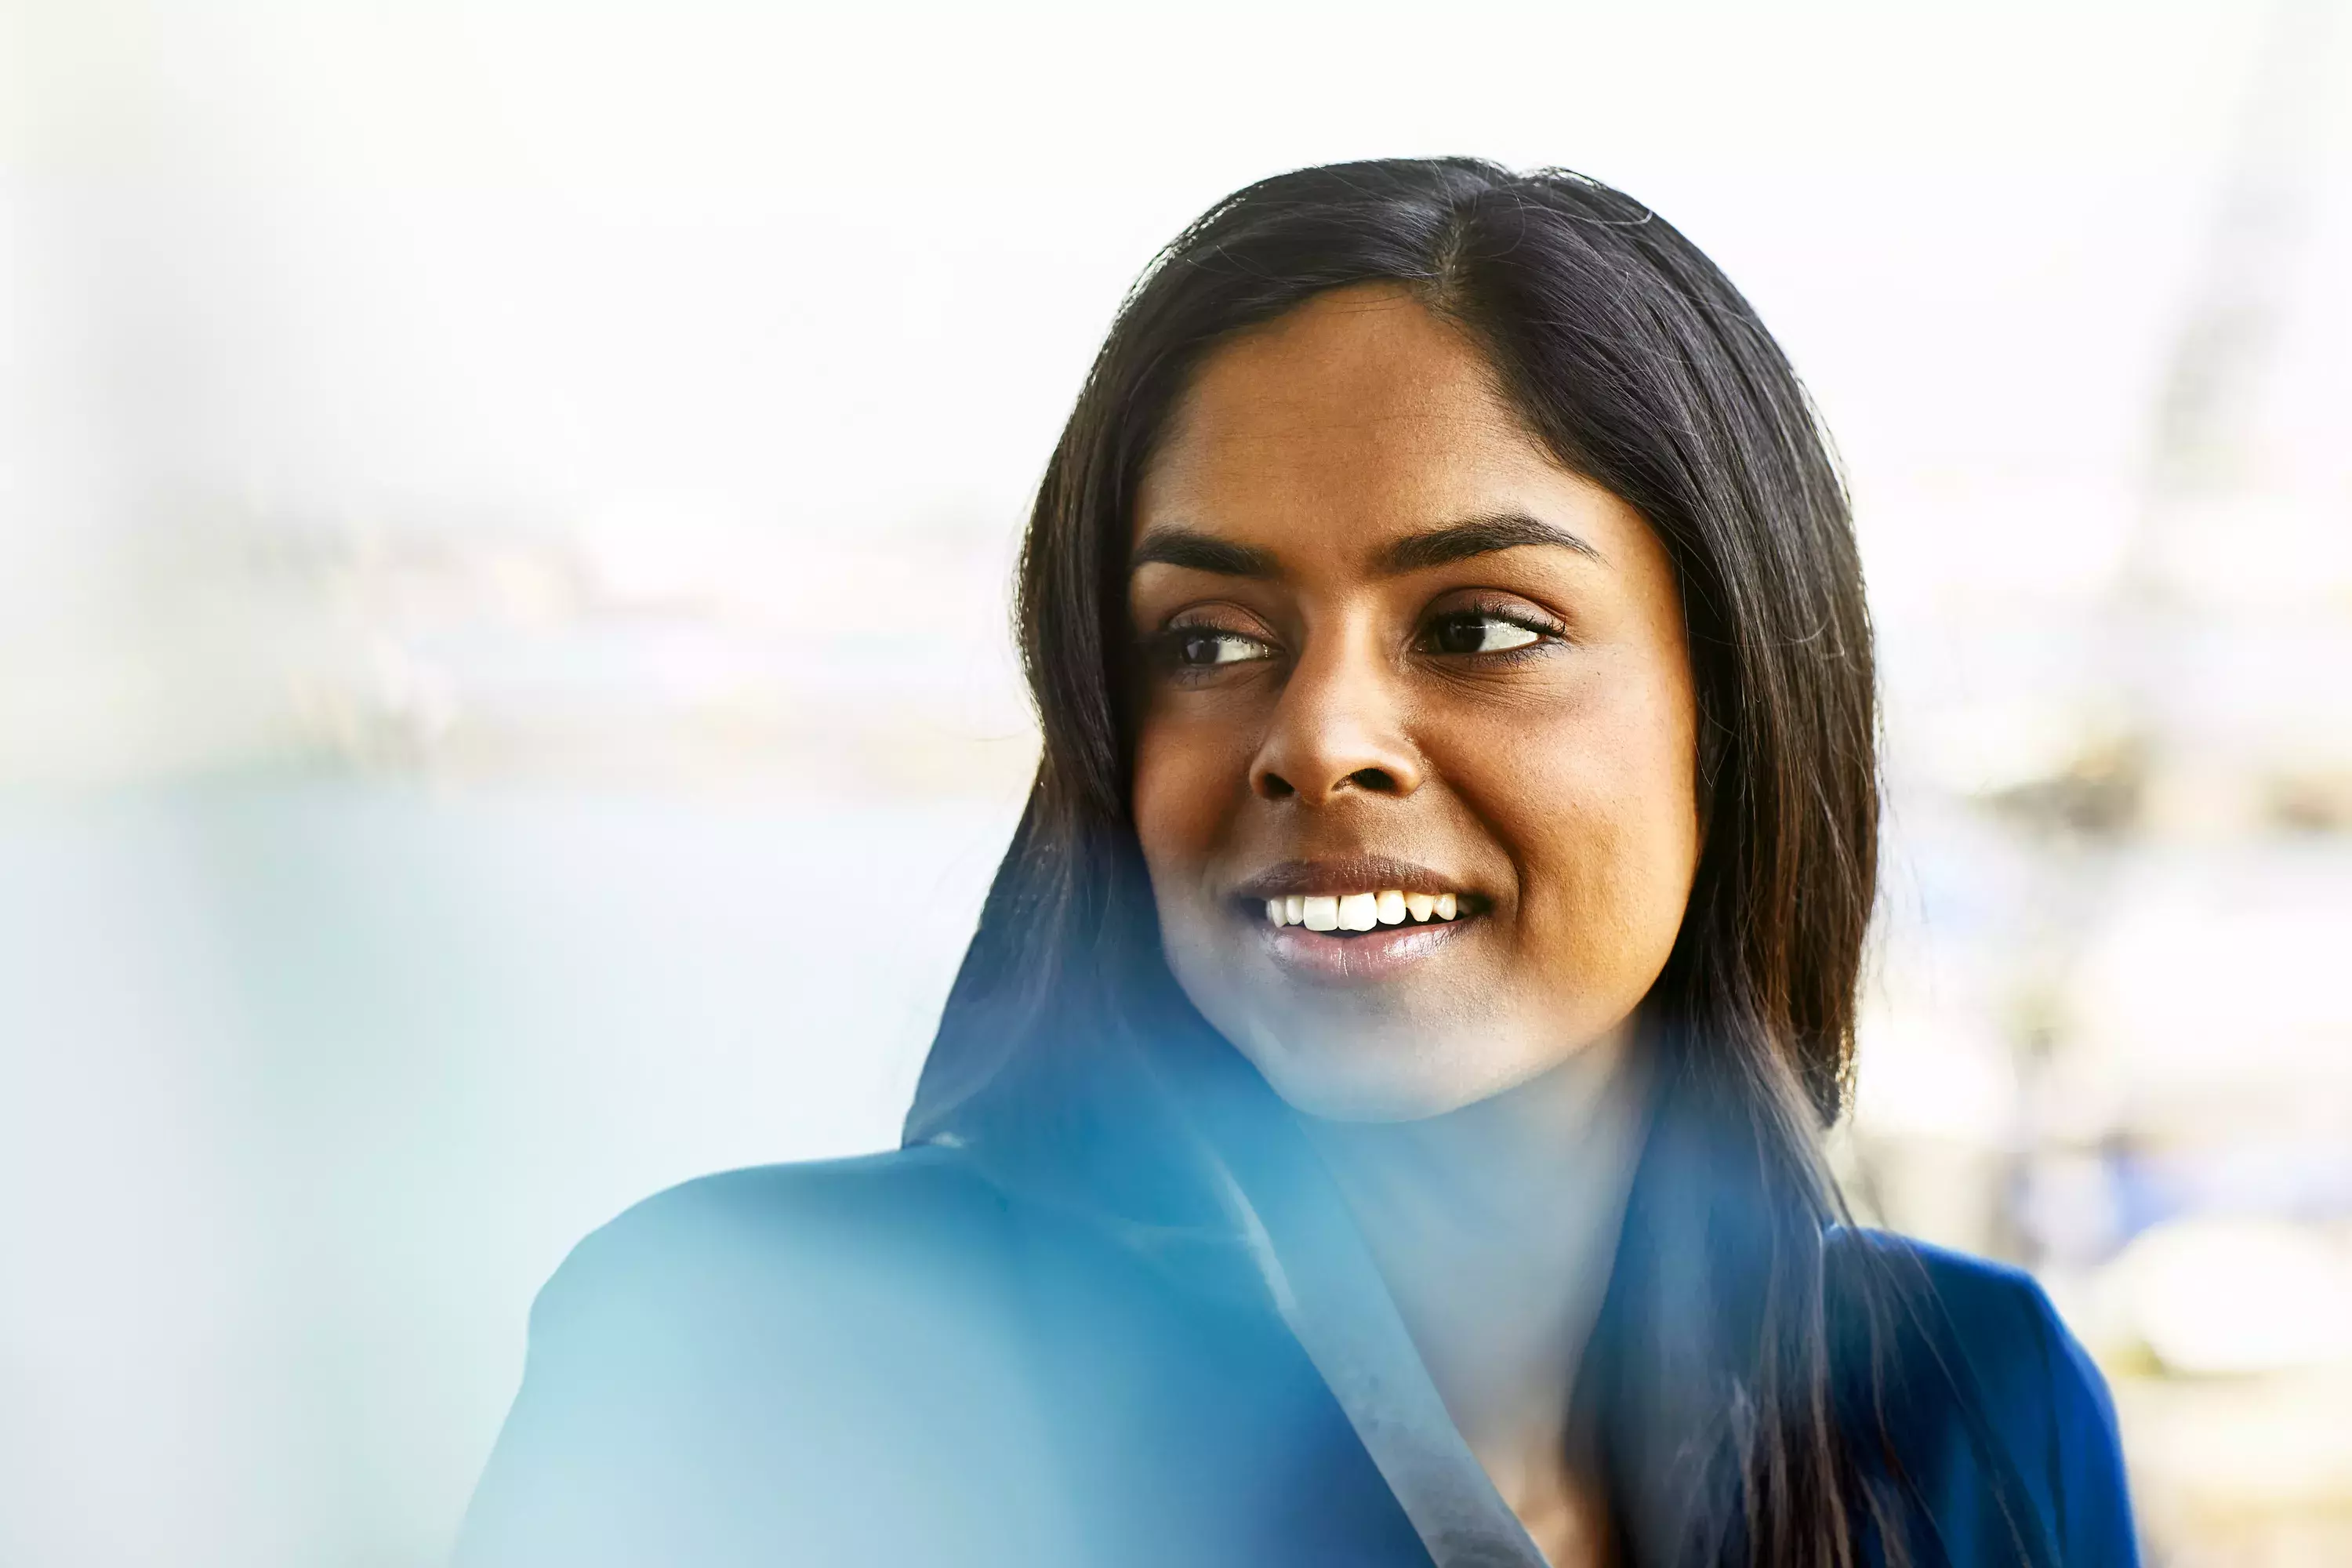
column 505, row 700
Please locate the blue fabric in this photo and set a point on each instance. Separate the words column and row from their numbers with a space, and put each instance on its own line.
column 893, row 1359
column 2026, row 1464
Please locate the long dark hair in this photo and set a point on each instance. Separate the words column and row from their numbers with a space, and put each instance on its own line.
column 1646, row 372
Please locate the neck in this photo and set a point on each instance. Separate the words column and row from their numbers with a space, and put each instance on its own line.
column 1495, row 1227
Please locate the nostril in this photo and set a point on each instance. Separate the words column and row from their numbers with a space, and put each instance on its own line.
column 1273, row 786
column 1380, row 781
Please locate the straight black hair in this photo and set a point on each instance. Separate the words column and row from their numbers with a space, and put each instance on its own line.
column 1710, row 1402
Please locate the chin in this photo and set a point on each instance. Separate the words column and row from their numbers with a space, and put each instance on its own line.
column 1354, row 1081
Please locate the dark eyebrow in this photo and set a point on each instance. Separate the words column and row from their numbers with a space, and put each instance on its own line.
column 1478, row 536
column 1200, row 553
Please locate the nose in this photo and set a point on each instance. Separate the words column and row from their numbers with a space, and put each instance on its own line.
column 1338, row 727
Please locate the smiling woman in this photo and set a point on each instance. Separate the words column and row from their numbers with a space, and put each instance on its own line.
column 1379, row 1118
column 1441, row 648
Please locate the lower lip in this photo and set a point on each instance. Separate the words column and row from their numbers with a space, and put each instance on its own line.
column 1366, row 959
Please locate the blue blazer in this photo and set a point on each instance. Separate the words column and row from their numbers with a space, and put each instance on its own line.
column 898, row 1359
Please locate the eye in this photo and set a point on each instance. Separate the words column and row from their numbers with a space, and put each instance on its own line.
column 1205, row 647
column 1478, row 631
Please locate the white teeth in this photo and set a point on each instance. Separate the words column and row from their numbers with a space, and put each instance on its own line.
column 1361, row 911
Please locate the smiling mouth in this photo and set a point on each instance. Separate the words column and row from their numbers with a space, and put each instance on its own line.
column 1361, row 939
column 1359, row 914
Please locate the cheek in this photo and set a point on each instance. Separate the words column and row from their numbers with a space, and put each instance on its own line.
column 1601, row 805
column 1186, row 781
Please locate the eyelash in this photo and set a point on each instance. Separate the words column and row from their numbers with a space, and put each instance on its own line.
column 1548, row 634
column 1168, row 645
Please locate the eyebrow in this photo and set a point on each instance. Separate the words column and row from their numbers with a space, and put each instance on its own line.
column 1478, row 536
column 1197, row 551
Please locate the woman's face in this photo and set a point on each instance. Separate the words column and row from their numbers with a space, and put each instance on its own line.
column 1400, row 661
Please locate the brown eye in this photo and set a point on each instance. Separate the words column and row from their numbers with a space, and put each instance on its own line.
column 1201, row 648
column 1475, row 631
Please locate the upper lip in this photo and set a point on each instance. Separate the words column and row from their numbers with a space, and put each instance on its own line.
column 1354, row 874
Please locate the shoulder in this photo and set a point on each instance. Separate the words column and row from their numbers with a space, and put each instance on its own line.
column 1992, row 1396
column 868, row 1283
column 743, row 1365
column 1994, row 1314
column 1997, row 1320
column 913, row 1215
column 894, row 1196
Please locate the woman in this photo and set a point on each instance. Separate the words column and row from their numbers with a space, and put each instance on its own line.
column 1379, row 1118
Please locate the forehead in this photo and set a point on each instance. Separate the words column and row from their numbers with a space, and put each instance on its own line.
column 1355, row 417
